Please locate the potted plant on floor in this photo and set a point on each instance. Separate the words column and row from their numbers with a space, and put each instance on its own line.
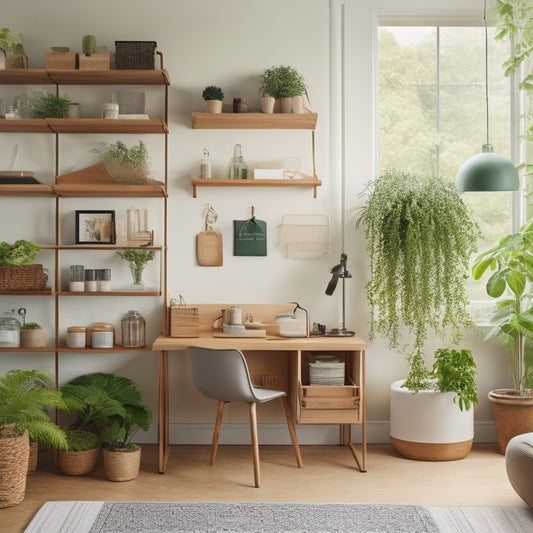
column 24, row 394
column 283, row 83
column 510, row 262
column 420, row 237
column 213, row 97
column 81, row 454
column 114, row 407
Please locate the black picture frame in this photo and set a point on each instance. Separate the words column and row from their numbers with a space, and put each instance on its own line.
column 95, row 227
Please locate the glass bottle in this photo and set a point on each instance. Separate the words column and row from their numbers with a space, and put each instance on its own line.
column 237, row 169
column 205, row 165
column 133, row 330
column 9, row 330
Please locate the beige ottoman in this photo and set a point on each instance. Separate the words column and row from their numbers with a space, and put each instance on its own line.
column 519, row 465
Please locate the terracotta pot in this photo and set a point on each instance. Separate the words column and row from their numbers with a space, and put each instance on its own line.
column 122, row 465
column 428, row 425
column 213, row 106
column 513, row 415
column 33, row 338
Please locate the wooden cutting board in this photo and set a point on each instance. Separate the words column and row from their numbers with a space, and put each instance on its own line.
column 209, row 248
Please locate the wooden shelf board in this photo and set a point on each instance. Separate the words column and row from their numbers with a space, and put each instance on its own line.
column 116, row 190
column 115, row 349
column 100, row 125
column 305, row 121
column 24, row 125
column 111, row 293
column 49, row 349
column 84, row 77
column 26, row 189
column 27, row 293
column 97, row 247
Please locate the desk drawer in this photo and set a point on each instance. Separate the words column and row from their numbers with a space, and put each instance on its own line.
column 328, row 404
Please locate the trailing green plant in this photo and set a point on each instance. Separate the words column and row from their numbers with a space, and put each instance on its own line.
column 48, row 105
column 21, row 252
column 213, row 93
column 419, row 237
column 24, row 395
column 510, row 261
column 79, row 440
column 11, row 42
column 112, row 405
column 136, row 156
column 136, row 257
column 281, row 82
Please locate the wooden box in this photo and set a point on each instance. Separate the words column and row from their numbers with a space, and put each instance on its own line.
column 96, row 61
column 184, row 321
column 60, row 61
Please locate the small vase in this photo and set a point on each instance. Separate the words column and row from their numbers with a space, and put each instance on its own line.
column 137, row 274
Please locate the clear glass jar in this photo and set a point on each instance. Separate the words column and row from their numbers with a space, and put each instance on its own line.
column 133, row 330
column 9, row 330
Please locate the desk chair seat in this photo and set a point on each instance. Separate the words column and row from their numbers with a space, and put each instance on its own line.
column 223, row 375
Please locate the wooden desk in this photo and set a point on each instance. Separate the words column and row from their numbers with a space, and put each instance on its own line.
column 310, row 404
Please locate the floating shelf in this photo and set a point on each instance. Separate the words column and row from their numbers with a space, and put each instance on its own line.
column 281, row 121
column 116, row 190
column 26, row 189
column 214, row 182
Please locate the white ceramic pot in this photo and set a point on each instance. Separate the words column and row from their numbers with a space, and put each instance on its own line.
column 213, row 106
column 428, row 425
column 298, row 104
column 286, row 105
column 267, row 104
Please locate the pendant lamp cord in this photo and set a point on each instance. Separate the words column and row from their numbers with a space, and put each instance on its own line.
column 486, row 65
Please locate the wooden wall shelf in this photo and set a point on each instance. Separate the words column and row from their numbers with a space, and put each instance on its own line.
column 26, row 189
column 263, row 121
column 214, row 182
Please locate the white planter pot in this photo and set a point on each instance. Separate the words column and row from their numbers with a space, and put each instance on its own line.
column 267, row 104
column 428, row 425
column 298, row 104
column 286, row 105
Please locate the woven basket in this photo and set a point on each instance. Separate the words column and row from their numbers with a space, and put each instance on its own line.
column 33, row 457
column 14, row 455
column 135, row 55
column 122, row 465
column 78, row 463
column 22, row 278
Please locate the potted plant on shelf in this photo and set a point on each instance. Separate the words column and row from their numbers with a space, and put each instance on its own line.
column 12, row 49
column 284, row 83
column 33, row 336
column 137, row 259
column 17, row 271
column 510, row 262
column 420, row 237
column 114, row 407
column 126, row 165
column 213, row 97
column 49, row 105
column 24, row 395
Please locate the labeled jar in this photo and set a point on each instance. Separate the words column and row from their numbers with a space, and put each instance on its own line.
column 102, row 335
column 90, row 280
column 110, row 110
column 9, row 331
column 76, row 337
column 133, row 330
column 103, row 279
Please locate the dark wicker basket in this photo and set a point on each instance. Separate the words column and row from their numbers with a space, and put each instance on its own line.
column 22, row 278
column 135, row 55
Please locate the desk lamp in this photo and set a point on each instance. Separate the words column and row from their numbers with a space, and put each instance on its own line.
column 340, row 271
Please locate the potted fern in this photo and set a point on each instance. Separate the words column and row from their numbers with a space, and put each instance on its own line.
column 420, row 237
column 213, row 97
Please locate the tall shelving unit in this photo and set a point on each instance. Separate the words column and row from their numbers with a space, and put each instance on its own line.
column 63, row 190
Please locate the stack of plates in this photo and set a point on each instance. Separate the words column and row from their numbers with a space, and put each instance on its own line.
column 326, row 371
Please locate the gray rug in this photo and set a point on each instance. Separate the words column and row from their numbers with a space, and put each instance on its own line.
column 253, row 517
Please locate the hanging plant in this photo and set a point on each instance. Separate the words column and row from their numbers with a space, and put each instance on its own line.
column 420, row 237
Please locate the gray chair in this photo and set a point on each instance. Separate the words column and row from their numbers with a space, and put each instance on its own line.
column 223, row 375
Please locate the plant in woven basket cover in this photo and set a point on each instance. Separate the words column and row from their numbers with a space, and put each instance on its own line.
column 420, row 236
column 19, row 253
column 126, row 165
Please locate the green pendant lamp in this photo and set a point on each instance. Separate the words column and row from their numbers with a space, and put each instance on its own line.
column 487, row 171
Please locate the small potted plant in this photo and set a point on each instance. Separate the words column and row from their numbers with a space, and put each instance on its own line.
column 137, row 259
column 13, row 49
column 213, row 97
column 283, row 83
column 81, row 454
column 126, row 165
column 33, row 336
column 48, row 105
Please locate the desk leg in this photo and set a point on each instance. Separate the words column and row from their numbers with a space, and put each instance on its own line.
column 346, row 440
column 163, row 438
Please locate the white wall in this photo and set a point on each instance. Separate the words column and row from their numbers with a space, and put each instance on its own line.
column 228, row 43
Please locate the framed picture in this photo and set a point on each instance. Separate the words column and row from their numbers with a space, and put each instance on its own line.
column 95, row 227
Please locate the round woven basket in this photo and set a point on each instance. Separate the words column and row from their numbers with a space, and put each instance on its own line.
column 33, row 457
column 14, row 454
column 122, row 465
column 78, row 463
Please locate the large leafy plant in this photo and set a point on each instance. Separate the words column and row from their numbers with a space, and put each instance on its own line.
column 281, row 82
column 511, row 262
column 420, row 237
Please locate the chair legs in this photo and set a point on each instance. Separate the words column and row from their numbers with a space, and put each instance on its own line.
column 216, row 433
column 255, row 442
column 292, row 431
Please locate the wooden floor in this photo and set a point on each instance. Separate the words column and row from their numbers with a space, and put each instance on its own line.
column 329, row 475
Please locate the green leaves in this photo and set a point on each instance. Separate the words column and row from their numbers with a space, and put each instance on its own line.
column 20, row 253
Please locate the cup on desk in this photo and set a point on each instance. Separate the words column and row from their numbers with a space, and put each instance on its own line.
column 232, row 316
